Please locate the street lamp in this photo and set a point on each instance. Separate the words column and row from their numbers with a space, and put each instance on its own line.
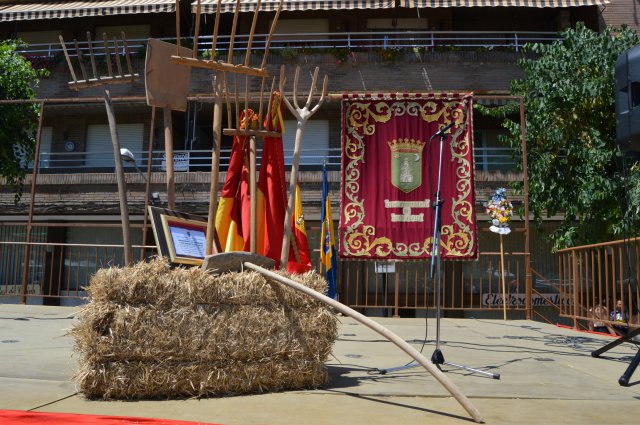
column 129, row 158
column 126, row 156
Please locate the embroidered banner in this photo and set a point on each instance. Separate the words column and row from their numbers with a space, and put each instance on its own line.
column 390, row 167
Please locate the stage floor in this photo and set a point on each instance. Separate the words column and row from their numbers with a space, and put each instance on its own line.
column 547, row 375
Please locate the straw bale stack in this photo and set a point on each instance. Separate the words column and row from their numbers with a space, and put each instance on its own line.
column 150, row 331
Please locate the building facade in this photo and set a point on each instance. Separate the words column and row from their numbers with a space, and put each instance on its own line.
column 72, row 213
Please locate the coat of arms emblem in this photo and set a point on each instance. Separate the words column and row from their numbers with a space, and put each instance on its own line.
column 406, row 163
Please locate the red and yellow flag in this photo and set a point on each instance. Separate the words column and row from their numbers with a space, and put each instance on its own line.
column 272, row 192
column 233, row 216
column 272, row 200
column 299, row 258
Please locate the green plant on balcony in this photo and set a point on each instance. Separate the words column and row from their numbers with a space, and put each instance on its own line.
column 286, row 52
column 207, row 54
column 342, row 54
column 390, row 54
column 448, row 48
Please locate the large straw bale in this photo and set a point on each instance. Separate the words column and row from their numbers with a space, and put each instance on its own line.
column 205, row 333
column 170, row 379
column 153, row 331
column 157, row 284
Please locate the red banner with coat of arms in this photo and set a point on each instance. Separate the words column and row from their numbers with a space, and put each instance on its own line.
column 390, row 163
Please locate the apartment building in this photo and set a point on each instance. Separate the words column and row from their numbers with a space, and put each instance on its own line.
column 401, row 46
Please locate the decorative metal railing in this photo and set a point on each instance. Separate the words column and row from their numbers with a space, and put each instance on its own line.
column 486, row 159
column 341, row 43
column 598, row 276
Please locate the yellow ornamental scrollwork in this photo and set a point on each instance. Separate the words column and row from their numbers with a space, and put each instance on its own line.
column 361, row 115
column 362, row 243
column 360, row 240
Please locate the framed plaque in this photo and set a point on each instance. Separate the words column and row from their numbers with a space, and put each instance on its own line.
column 179, row 236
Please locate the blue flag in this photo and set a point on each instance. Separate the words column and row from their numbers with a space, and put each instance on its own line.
column 328, row 255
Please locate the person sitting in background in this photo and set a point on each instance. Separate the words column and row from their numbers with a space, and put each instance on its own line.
column 598, row 314
column 621, row 317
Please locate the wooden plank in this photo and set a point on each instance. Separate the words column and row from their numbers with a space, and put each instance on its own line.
column 94, row 82
column 221, row 66
column 249, row 132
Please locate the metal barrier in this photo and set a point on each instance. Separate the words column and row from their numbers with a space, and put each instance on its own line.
column 57, row 270
column 469, row 285
column 597, row 276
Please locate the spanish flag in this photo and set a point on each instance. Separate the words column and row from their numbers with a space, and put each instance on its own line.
column 299, row 258
column 272, row 192
column 233, row 216
column 328, row 255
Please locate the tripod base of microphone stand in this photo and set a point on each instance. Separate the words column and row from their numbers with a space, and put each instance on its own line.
column 437, row 358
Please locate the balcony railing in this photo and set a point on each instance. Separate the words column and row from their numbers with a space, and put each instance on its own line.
column 486, row 159
column 336, row 43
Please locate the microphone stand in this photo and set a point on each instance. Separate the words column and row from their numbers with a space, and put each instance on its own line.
column 437, row 357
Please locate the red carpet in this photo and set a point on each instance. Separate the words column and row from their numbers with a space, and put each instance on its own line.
column 20, row 417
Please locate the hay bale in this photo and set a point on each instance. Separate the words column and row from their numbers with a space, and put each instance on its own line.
column 151, row 331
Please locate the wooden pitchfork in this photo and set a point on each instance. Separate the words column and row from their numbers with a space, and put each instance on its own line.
column 302, row 115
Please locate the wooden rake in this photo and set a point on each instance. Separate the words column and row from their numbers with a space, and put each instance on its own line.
column 116, row 76
column 224, row 67
column 228, row 65
column 109, row 49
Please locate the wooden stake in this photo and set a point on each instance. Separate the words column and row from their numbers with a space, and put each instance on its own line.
column 66, row 55
column 215, row 165
column 502, row 272
column 34, row 177
column 197, row 31
column 122, row 189
column 147, row 187
column 168, row 150
column 107, row 54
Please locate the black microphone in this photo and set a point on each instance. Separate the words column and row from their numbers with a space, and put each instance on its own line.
column 442, row 130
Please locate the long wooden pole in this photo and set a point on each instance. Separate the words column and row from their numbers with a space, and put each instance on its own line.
column 215, row 164
column 293, row 182
column 122, row 188
column 253, row 210
column 399, row 342
column 168, row 149
column 147, row 186
column 34, row 176
column 527, row 227
column 502, row 273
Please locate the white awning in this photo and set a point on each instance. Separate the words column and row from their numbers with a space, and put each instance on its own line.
column 503, row 3
column 21, row 11
column 210, row 6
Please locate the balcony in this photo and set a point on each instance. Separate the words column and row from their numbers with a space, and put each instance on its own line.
column 486, row 159
column 338, row 44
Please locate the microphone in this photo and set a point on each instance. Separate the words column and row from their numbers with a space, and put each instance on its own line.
column 442, row 130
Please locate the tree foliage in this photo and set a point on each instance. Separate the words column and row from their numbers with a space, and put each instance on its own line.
column 17, row 121
column 573, row 162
